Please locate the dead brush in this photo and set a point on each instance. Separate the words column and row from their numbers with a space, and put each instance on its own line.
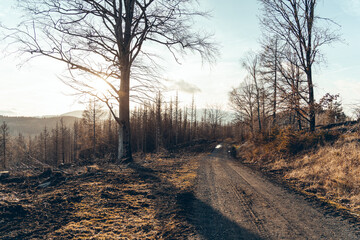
column 325, row 163
column 332, row 171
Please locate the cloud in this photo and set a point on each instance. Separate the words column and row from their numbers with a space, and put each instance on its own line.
column 184, row 86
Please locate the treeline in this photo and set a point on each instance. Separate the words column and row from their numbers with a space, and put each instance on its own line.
column 156, row 126
column 164, row 125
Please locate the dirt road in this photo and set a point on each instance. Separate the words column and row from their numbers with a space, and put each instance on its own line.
column 233, row 201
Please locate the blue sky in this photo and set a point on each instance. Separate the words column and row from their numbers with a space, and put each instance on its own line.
column 34, row 88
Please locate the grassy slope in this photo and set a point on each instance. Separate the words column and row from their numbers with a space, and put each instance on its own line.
column 329, row 170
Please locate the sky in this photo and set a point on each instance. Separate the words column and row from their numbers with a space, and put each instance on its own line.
column 34, row 89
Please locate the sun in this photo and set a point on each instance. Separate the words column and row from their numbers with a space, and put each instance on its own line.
column 100, row 87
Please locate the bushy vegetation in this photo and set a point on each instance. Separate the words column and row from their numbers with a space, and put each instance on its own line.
column 290, row 142
column 285, row 143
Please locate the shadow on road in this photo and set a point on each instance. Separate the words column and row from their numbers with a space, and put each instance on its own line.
column 207, row 221
column 210, row 223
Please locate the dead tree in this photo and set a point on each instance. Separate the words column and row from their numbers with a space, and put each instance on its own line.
column 215, row 117
column 243, row 101
column 269, row 61
column 159, row 127
column 293, row 90
column 91, row 117
column 76, row 135
column 104, row 41
column 295, row 23
column 177, row 119
column 63, row 131
column 192, row 119
column 55, row 136
column 252, row 65
column 4, row 131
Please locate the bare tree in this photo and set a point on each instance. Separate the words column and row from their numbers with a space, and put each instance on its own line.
column 159, row 127
column 252, row 65
column 293, row 90
column 63, row 132
column 91, row 117
column 106, row 41
column 4, row 141
column 176, row 113
column 55, row 134
column 269, row 60
column 192, row 119
column 215, row 117
column 295, row 23
column 76, row 136
column 44, row 137
column 243, row 101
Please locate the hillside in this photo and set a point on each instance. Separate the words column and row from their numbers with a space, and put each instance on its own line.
column 31, row 126
column 77, row 114
column 324, row 165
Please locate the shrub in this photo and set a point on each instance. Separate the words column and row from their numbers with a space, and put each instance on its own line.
column 290, row 142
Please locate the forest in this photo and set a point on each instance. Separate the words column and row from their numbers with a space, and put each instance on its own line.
column 156, row 126
column 278, row 160
column 279, row 81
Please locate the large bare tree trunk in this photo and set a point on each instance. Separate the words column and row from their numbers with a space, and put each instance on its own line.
column 124, row 148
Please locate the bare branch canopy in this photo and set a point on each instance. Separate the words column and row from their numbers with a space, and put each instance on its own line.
column 111, row 41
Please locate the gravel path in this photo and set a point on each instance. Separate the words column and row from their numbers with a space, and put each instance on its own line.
column 234, row 202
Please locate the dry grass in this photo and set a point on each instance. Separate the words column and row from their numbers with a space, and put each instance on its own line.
column 184, row 175
column 137, row 201
column 332, row 171
column 112, row 211
column 329, row 171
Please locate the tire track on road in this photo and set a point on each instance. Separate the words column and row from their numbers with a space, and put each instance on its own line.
column 251, row 196
column 233, row 201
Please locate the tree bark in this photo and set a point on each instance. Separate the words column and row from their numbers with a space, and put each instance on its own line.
column 94, row 129
column 311, row 101
column 275, row 83
column 124, row 148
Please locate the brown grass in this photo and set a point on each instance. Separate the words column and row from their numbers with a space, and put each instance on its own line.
column 326, row 168
column 332, row 171
column 108, row 202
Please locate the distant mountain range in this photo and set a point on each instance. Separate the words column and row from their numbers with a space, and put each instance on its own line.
column 31, row 126
column 77, row 114
column 7, row 113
